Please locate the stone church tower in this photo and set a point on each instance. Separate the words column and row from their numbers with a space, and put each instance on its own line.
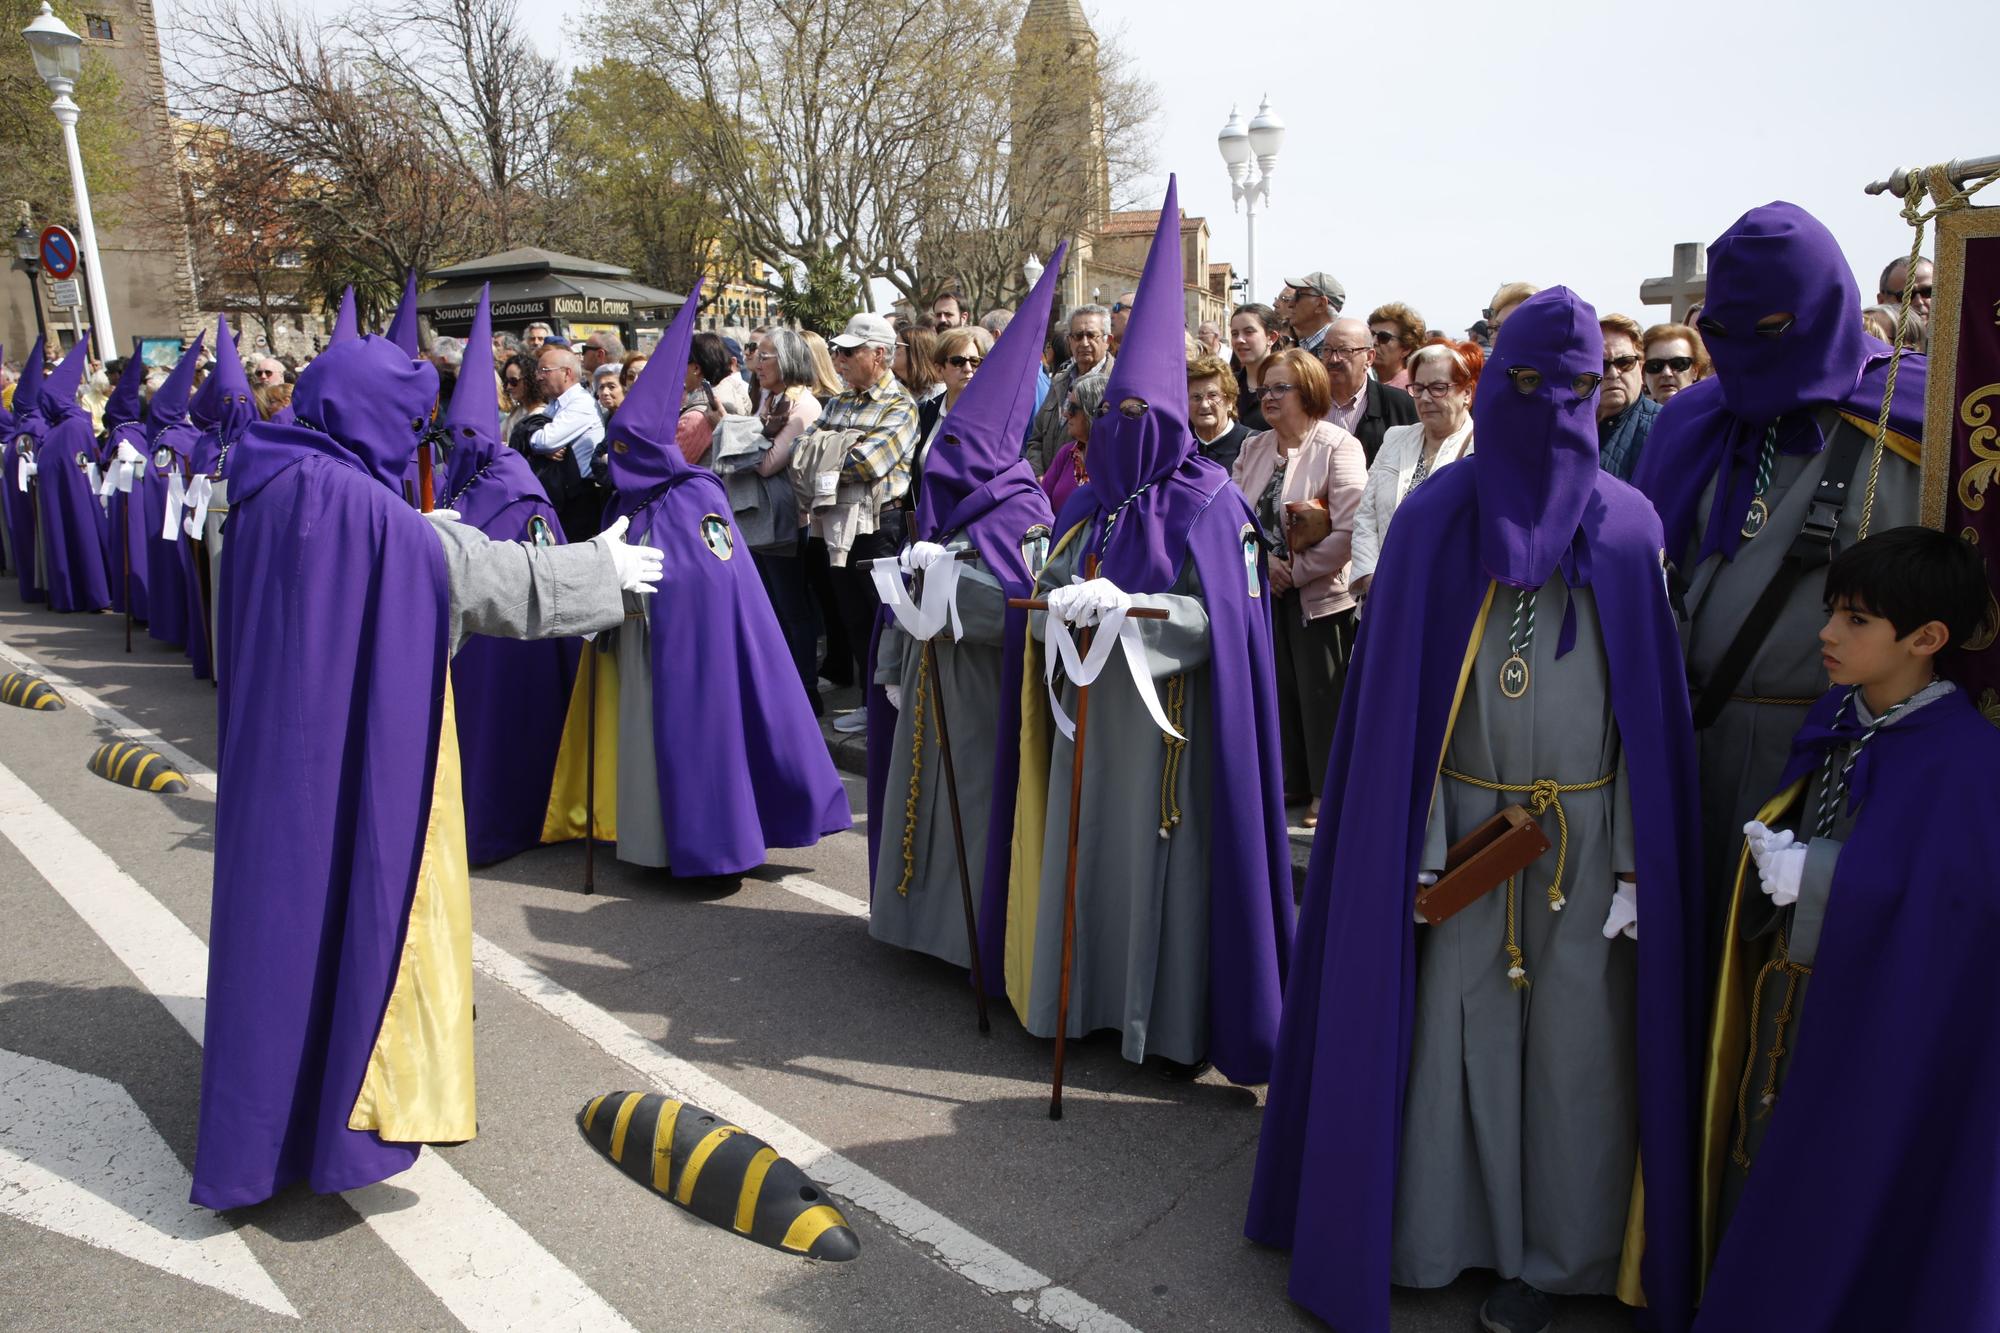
column 1060, row 169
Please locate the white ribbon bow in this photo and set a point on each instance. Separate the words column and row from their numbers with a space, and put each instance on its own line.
column 1114, row 627
column 176, row 498
column 198, row 493
column 922, row 621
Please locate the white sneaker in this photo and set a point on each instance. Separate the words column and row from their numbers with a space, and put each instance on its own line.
column 848, row 724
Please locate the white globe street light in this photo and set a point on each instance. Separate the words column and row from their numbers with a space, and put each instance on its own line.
column 1033, row 270
column 58, row 56
column 1238, row 145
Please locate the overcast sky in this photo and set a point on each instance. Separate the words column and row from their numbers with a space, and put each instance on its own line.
column 1437, row 150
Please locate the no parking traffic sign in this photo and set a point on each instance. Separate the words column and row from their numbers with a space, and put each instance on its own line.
column 58, row 252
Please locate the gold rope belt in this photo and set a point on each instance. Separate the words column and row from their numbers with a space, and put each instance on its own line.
column 1543, row 794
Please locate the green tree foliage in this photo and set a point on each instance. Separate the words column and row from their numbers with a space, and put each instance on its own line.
column 32, row 163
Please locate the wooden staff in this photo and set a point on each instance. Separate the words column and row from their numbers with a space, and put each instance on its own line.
column 125, row 540
column 426, row 490
column 201, row 584
column 590, row 778
column 1075, row 821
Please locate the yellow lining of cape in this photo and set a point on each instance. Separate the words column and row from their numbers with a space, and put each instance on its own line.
column 419, row 1084
column 563, row 820
column 1031, row 808
column 1899, row 444
column 1727, row 1033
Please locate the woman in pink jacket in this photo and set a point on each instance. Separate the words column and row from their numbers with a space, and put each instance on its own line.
column 1304, row 479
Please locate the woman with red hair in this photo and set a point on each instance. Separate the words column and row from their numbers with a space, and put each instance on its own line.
column 1442, row 377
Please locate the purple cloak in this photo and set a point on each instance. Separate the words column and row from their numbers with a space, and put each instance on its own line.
column 333, row 628
column 1872, row 1202
column 17, row 507
column 1327, row 1165
column 741, row 763
column 69, row 522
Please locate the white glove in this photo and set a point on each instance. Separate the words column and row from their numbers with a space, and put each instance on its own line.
column 1425, row 878
column 127, row 454
column 1088, row 602
column 894, row 694
column 922, row 555
column 441, row 515
column 1623, row 918
column 1780, row 859
column 639, row 567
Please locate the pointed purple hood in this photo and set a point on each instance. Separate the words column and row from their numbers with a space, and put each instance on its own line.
column 980, row 441
column 1129, row 452
column 364, row 402
column 1538, row 449
column 170, row 401
column 346, row 324
column 1780, row 259
column 403, row 328
column 643, row 454
column 231, row 404
column 59, row 392
column 123, row 405
column 472, row 419
column 28, row 391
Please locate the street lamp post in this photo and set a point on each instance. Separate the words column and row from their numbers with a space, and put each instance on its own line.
column 28, row 260
column 58, row 56
column 1262, row 140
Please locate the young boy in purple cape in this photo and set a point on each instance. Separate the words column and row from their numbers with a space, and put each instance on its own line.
column 1476, row 1094
column 1853, row 1058
column 17, row 499
column 338, row 1033
column 511, row 693
column 976, row 494
column 173, row 601
column 1184, row 879
column 1733, row 466
column 123, row 457
column 707, row 749
column 69, row 524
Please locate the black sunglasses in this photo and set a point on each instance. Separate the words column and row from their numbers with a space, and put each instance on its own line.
column 1659, row 365
column 1924, row 292
column 1621, row 364
column 961, row 362
column 1527, row 380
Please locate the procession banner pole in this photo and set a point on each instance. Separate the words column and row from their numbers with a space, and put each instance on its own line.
column 1075, row 821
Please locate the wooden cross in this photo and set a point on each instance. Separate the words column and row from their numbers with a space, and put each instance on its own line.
column 1686, row 288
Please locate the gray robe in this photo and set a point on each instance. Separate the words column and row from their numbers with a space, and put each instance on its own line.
column 642, row 828
column 927, row 912
column 1520, row 1122
column 1141, row 963
column 1743, row 754
column 516, row 590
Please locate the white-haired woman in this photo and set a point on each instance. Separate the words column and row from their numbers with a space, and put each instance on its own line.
column 787, row 406
column 1442, row 377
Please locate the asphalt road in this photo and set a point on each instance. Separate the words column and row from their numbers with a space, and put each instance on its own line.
column 761, row 998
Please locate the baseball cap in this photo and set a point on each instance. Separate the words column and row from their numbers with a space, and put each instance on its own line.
column 1325, row 284
column 865, row 330
column 735, row 348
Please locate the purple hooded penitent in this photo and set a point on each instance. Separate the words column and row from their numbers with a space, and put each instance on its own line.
column 333, row 644
column 1774, row 260
column 742, row 766
column 1872, row 1204
column 17, row 507
column 69, row 522
column 403, row 326
column 346, row 323
column 1325, row 1184
column 224, row 406
column 510, row 695
column 1152, row 504
column 173, row 596
column 976, row 484
column 126, row 537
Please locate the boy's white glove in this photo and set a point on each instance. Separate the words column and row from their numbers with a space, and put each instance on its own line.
column 1623, row 918
column 1425, row 878
column 1087, row 602
column 922, row 555
column 894, row 694
column 1780, row 859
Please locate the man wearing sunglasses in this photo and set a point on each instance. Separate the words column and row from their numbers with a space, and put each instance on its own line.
column 1624, row 415
column 1897, row 281
column 1760, row 474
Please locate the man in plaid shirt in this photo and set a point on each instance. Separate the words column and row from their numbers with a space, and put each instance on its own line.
column 875, row 404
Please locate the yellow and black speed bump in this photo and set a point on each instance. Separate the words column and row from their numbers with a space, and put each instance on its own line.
column 718, row 1172
column 24, row 691
column 137, row 767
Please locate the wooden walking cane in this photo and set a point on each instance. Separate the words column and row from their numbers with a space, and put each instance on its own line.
column 957, row 821
column 125, row 540
column 1075, row 821
column 201, row 581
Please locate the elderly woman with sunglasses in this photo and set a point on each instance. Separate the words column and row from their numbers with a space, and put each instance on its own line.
column 1442, row 378
column 1675, row 359
column 956, row 355
column 1083, row 404
column 1625, row 416
column 1304, row 478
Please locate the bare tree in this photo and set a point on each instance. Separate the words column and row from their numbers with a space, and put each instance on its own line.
column 249, row 251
